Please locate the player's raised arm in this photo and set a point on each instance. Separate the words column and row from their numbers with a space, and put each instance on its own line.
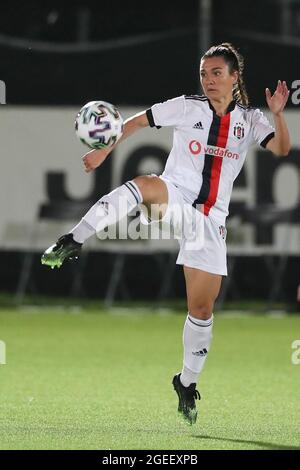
column 95, row 158
column 280, row 143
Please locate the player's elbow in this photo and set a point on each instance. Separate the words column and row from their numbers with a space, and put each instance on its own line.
column 279, row 147
column 282, row 152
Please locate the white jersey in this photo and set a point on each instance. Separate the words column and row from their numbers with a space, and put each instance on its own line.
column 208, row 151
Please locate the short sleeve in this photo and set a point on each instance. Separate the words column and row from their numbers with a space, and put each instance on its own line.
column 168, row 113
column 262, row 131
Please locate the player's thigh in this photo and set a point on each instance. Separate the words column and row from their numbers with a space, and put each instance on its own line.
column 155, row 193
column 202, row 289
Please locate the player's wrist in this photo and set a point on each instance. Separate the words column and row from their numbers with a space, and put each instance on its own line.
column 100, row 153
column 280, row 111
column 278, row 114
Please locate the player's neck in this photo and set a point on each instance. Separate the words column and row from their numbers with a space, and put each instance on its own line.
column 221, row 106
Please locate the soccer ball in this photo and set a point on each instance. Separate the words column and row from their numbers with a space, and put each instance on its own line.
column 99, row 124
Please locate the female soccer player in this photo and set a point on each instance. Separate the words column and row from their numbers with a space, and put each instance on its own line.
column 212, row 134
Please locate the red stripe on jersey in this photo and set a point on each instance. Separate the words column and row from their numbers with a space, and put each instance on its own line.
column 217, row 164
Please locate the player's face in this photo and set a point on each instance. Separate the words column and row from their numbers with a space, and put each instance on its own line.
column 216, row 80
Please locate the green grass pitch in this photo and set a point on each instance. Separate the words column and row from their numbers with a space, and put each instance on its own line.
column 93, row 380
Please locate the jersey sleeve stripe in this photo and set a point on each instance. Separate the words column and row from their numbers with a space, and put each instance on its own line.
column 267, row 139
column 149, row 115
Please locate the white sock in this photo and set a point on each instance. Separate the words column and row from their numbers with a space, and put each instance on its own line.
column 109, row 210
column 197, row 336
column 82, row 231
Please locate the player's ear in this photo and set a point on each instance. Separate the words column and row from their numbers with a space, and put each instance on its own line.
column 236, row 77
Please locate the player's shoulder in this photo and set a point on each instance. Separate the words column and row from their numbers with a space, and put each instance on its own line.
column 196, row 101
column 247, row 108
column 250, row 114
column 196, row 98
column 254, row 115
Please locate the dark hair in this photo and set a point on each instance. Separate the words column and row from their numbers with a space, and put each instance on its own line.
column 235, row 62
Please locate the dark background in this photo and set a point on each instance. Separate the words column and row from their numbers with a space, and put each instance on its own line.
column 66, row 52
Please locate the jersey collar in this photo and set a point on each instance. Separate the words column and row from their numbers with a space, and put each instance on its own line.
column 230, row 108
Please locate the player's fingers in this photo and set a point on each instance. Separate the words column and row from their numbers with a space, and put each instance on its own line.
column 287, row 96
column 268, row 93
column 286, row 93
column 86, row 163
column 285, row 99
column 278, row 88
column 285, row 88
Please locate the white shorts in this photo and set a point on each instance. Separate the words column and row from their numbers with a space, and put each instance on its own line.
column 211, row 257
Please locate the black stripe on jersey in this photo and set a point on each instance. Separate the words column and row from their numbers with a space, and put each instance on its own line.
column 149, row 115
column 134, row 188
column 128, row 187
column 231, row 106
column 243, row 106
column 196, row 97
column 206, row 173
column 267, row 139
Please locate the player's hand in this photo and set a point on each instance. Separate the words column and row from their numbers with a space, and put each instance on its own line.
column 93, row 159
column 279, row 99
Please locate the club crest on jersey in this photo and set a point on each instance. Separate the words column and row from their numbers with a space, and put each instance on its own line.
column 238, row 130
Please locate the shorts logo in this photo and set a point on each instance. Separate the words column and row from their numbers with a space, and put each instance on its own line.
column 238, row 130
column 222, row 231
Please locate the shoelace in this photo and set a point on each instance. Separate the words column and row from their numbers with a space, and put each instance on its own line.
column 193, row 395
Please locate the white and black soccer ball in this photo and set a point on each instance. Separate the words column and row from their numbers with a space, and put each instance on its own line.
column 99, row 124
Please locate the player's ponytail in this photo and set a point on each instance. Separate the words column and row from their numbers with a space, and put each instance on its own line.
column 235, row 62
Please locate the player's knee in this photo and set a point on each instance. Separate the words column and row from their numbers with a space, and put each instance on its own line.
column 201, row 311
column 146, row 186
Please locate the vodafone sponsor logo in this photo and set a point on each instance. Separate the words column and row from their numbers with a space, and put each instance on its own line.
column 196, row 147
